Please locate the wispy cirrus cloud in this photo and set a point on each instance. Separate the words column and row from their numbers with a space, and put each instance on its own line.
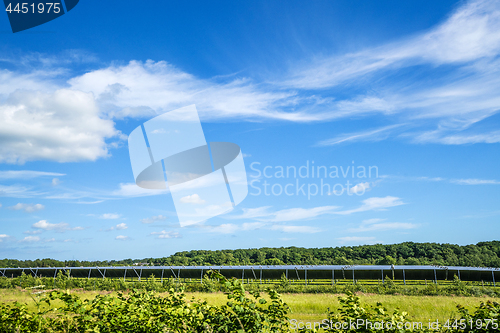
column 372, row 225
column 27, row 174
column 166, row 234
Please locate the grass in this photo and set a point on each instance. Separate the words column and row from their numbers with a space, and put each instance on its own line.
column 312, row 307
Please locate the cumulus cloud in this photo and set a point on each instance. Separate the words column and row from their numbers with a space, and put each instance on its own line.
column 3, row 237
column 120, row 226
column 60, row 227
column 63, row 126
column 122, row 238
column 31, row 239
column 153, row 219
column 192, row 199
column 28, row 208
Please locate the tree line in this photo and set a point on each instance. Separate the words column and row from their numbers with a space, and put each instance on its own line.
column 483, row 254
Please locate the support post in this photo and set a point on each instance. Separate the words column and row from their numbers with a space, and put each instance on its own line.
column 104, row 274
column 353, row 281
column 382, row 276
column 125, row 275
column 140, row 275
column 286, row 273
column 162, row 270
column 242, row 276
column 404, row 277
column 261, row 275
column 305, row 276
column 333, row 277
column 201, row 277
column 493, row 276
column 458, row 271
column 90, row 271
column 435, row 277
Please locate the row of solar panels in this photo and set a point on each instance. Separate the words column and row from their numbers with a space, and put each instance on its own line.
column 296, row 272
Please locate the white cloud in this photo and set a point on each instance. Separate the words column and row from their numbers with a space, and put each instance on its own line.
column 471, row 33
column 28, row 208
column 33, row 232
column 360, row 188
column 121, row 237
column 296, row 229
column 154, row 219
column 55, row 181
column 192, row 199
column 60, row 227
column 132, row 190
column 475, row 181
column 3, row 237
column 292, row 214
column 166, row 234
column 27, row 174
column 120, row 226
column 145, row 89
column 379, row 225
column 31, row 239
column 369, row 135
column 374, row 203
column 110, row 216
column 63, row 126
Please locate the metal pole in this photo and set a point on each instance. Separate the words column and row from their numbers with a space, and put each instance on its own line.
column 493, row 276
column 261, row 276
column 162, row 274
column 458, row 274
column 305, row 278
column 104, row 275
column 242, row 275
column 286, row 273
column 55, row 272
column 333, row 277
column 404, row 278
column 201, row 277
column 353, row 277
column 124, row 275
column 140, row 274
column 435, row 277
column 382, row 276
column 90, row 271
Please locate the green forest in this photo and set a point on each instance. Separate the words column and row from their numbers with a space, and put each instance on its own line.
column 483, row 254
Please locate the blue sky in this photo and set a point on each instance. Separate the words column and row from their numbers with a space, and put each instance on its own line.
column 407, row 88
